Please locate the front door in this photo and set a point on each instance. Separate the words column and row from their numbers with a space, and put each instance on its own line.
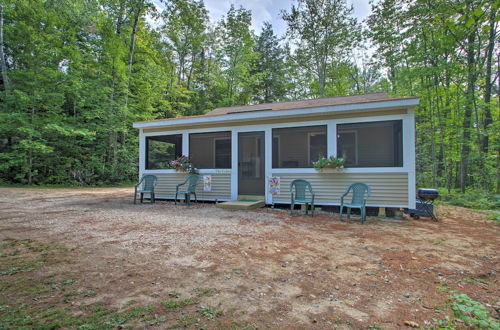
column 251, row 173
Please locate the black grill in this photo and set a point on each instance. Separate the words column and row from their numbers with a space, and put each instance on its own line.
column 427, row 194
column 424, row 203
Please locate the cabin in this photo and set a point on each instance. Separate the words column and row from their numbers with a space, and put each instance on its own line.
column 258, row 150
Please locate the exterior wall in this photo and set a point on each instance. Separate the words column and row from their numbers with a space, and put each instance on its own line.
column 388, row 189
column 392, row 186
column 221, row 186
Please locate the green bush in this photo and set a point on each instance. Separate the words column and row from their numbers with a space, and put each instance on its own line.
column 474, row 199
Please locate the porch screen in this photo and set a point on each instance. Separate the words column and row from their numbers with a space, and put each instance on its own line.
column 298, row 147
column 372, row 144
column 210, row 150
column 160, row 150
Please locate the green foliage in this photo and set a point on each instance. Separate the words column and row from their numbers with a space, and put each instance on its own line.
column 209, row 312
column 171, row 305
column 473, row 313
column 475, row 199
column 200, row 292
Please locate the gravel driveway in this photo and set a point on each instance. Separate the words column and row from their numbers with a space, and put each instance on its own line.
column 262, row 268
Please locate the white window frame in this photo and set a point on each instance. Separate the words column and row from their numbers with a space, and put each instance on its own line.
column 403, row 136
column 145, row 160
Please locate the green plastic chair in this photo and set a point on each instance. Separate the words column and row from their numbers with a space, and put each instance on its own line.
column 360, row 193
column 148, row 187
column 191, row 181
column 299, row 196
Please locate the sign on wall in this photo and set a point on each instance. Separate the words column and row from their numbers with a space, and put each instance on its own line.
column 274, row 185
column 207, row 183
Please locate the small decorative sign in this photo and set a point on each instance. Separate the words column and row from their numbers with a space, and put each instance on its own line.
column 274, row 185
column 207, row 183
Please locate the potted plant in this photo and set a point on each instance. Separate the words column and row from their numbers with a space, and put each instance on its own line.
column 330, row 162
column 183, row 164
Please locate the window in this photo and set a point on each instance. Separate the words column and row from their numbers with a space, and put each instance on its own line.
column 372, row 144
column 298, row 147
column 160, row 150
column 210, row 150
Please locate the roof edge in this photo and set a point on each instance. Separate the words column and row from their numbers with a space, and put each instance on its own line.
column 268, row 114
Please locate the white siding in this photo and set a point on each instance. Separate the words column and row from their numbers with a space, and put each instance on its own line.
column 388, row 189
column 221, row 186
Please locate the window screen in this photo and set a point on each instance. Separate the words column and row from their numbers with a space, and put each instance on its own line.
column 372, row 144
column 210, row 150
column 298, row 147
column 160, row 150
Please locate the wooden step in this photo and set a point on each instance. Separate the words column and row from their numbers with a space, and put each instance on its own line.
column 250, row 198
column 242, row 204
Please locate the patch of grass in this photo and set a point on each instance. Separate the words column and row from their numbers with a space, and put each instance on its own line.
column 474, row 280
column 186, row 321
column 10, row 271
column 171, row 305
column 89, row 293
column 205, row 292
column 493, row 215
column 445, row 324
column 59, row 317
column 157, row 319
column 468, row 280
column 68, row 185
column 245, row 325
column 69, row 282
column 43, row 301
column 436, row 241
column 210, row 312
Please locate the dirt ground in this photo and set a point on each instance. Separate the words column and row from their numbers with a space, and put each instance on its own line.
column 214, row 268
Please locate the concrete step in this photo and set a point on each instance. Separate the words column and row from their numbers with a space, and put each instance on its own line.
column 242, row 204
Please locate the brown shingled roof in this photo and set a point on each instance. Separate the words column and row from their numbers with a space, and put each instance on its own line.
column 301, row 104
column 327, row 101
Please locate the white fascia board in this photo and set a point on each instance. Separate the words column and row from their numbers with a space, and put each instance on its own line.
column 280, row 113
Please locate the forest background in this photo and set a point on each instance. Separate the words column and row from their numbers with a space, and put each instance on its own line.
column 77, row 73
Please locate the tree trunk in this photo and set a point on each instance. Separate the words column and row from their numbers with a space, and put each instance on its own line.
column 498, row 141
column 3, row 65
column 488, row 120
column 131, row 49
column 193, row 58
column 469, row 104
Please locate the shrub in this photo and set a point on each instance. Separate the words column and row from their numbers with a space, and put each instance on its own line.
column 475, row 199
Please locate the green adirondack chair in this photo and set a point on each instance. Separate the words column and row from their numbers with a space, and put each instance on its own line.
column 146, row 185
column 360, row 193
column 299, row 195
column 191, row 181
